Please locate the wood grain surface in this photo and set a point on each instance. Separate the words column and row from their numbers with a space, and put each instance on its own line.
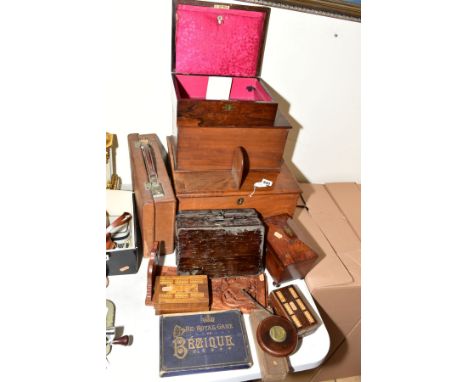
column 156, row 215
column 212, row 148
column 287, row 257
column 219, row 243
column 198, row 190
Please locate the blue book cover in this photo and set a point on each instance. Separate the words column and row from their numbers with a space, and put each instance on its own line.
column 203, row 342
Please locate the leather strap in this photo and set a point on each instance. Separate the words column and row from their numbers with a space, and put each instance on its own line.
column 114, row 226
column 117, row 223
column 109, row 243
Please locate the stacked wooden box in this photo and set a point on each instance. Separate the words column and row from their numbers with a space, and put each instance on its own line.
column 222, row 147
column 225, row 153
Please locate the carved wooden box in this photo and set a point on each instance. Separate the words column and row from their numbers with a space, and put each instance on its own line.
column 219, row 243
column 233, row 292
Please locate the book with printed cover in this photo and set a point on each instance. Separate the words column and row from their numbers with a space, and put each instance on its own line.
column 203, row 342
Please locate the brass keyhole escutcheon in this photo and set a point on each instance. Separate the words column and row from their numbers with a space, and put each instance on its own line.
column 228, row 107
column 240, row 201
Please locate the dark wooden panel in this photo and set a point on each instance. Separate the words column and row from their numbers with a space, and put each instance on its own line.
column 219, row 243
column 200, row 112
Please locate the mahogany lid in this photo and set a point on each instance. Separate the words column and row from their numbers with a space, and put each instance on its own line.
column 218, row 39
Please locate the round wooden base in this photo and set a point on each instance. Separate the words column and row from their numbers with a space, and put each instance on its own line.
column 277, row 336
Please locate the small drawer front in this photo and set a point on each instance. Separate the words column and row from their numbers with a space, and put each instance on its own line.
column 266, row 205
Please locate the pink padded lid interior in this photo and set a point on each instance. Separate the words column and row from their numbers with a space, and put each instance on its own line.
column 216, row 41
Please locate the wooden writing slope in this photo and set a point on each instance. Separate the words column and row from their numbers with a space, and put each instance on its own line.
column 200, row 190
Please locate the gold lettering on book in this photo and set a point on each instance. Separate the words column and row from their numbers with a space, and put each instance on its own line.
column 180, row 351
column 182, row 345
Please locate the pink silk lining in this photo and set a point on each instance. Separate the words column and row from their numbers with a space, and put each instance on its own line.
column 216, row 41
column 249, row 89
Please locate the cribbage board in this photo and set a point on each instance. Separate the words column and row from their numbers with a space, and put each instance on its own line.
column 289, row 302
column 177, row 294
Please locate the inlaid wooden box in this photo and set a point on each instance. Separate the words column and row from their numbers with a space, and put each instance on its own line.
column 212, row 40
column 219, row 243
column 178, row 294
column 289, row 302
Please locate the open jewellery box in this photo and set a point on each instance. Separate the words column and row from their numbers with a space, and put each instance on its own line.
column 220, row 40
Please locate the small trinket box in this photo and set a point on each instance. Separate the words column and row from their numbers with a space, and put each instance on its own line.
column 220, row 40
column 287, row 257
column 277, row 336
column 272, row 367
column 290, row 303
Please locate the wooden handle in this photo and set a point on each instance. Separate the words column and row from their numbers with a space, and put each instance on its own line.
column 150, row 164
column 124, row 341
column 238, row 166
